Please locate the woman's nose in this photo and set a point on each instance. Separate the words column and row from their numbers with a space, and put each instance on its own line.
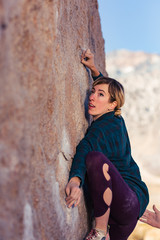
column 91, row 97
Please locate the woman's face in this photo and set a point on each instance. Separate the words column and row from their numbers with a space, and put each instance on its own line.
column 99, row 103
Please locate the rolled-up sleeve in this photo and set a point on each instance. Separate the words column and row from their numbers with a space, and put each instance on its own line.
column 95, row 78
column 78, row 167
column 89, row 143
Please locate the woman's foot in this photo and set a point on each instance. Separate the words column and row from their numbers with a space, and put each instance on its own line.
column 96, row 234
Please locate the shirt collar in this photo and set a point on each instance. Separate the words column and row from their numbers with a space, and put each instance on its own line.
column 105, row 116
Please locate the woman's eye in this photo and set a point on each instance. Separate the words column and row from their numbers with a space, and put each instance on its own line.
column 101, row 94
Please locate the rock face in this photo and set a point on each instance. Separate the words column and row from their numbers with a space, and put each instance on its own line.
column 43, row 88
column 139, row 72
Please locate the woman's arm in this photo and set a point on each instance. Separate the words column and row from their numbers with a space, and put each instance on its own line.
column 151, row 218
column 87, row 59
column 77, row 174
column 78, row 168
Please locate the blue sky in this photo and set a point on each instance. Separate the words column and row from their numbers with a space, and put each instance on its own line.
column 131, row 24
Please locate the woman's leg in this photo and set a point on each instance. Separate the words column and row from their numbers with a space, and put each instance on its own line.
column 111, row 195
column 100, row 187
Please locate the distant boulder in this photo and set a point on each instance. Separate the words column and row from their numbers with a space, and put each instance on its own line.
column 139, row 72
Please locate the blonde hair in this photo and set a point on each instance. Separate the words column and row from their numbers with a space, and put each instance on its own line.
column 115, row 90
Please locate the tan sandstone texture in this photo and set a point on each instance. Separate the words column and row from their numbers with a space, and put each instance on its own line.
column 43, row 89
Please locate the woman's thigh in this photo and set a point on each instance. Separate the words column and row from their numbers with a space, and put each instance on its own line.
column 124, row 212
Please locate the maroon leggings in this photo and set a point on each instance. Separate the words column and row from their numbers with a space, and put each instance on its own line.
column 124, row 206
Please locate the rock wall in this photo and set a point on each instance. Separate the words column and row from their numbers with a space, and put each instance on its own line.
column 43, row 89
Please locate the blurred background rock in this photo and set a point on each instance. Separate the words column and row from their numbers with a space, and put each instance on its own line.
column 139, row 72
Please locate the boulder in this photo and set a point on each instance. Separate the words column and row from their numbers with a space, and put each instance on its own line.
column 43, row 94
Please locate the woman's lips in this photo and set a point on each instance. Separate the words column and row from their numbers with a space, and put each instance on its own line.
column 90, row 105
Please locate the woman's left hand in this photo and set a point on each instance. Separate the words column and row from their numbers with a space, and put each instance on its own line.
column 87, row 59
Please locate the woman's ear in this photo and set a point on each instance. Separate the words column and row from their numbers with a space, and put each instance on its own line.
column 114, row 105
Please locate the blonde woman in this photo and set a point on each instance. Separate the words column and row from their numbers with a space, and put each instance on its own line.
column 103, row 157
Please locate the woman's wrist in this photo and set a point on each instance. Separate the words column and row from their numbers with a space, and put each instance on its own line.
column 76, row 180
column 94, row 71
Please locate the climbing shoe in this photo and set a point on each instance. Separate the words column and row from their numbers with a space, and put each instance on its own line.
column 96, row 234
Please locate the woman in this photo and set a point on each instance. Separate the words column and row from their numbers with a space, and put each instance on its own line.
column 104, row 157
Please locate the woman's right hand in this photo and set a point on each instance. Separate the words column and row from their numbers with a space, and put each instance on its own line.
column 73, row 192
